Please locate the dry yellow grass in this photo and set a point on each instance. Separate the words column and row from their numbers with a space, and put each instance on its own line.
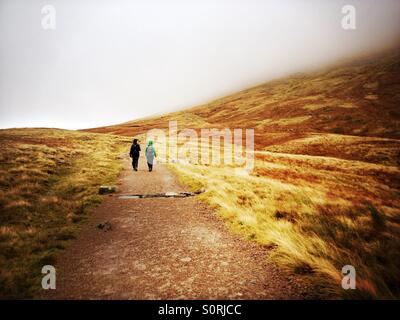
column 49, row 181
column 283, row 121
column 368, row 149
column 318, row 213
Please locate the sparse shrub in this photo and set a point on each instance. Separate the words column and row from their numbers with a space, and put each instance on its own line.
column 377, row 217
column 338, row 130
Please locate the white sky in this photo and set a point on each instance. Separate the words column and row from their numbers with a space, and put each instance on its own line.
column 114, row 61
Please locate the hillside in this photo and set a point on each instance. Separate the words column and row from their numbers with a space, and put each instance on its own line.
column 359, row 98
column 324, row 189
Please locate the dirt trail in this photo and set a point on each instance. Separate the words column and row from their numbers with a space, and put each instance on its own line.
column 165, row 248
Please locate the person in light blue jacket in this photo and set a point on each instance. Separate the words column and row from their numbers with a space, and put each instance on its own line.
column 150, row 154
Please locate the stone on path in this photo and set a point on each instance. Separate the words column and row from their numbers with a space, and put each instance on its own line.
column 107, row 189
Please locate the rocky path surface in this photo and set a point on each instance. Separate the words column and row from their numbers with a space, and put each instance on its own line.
column 165, row 248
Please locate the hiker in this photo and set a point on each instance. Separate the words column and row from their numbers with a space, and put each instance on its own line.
column 135, row 153
column 150, row 154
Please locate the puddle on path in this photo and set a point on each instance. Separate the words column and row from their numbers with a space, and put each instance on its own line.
column 161, row 195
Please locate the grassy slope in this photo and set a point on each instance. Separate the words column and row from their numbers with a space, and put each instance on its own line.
column 357, row 99
column 325, row 189
column 318, row 213
column 49, row 181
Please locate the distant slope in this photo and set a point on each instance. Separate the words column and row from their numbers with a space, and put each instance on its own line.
column 360, row 99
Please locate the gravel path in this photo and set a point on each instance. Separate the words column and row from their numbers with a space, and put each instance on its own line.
column 165, row 248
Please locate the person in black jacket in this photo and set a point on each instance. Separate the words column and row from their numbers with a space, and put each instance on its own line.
column 135, row 153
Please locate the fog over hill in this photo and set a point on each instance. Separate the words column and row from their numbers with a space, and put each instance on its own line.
column 360, row 99
column 109, row 62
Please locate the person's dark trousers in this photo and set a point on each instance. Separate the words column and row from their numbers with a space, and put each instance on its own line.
column 135, row 161
column 150, row 166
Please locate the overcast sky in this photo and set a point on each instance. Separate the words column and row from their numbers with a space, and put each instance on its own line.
column 113, row 61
